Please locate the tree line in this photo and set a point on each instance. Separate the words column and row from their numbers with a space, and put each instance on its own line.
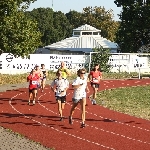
column 22, row 31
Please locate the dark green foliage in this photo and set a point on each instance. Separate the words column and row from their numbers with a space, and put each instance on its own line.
column 101, row 58
column 19, row 35
column 134, row 30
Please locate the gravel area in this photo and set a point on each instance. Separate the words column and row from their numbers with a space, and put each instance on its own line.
column 13, row 141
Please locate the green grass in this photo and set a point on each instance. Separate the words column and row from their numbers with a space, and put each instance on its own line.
column 134, row 101
column 21, row 78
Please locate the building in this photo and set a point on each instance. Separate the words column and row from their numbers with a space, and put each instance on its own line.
column 84, row 39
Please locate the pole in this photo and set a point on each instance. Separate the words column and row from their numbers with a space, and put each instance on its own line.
column 139, row 68
column 90, row 63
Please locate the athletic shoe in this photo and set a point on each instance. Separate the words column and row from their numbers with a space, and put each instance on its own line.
column 70, row 120
column 93, row 102
column 61, row 119
column 82, row 125
column 33, row 102
column 28, row 103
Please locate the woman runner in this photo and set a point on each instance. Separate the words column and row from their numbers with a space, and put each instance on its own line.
column 40, row 74
column 33, row 79
column 79, row 96
column 43, row 79
column 60, row 86
column 95, row 76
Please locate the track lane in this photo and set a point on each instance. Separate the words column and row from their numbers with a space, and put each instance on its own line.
column 46, row 101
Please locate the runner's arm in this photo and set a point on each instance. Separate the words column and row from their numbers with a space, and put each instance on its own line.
column 100, row 76
column 87, row 89
column 52, row 86
column 90, row 77
column 29, row 78
column 68, row 72
column 46, row 72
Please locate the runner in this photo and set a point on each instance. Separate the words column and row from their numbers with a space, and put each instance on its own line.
column 65, row 71
column 60, row 86
column 79, row 96
column 33, row 79
column 43, row 80
column 94, row 77
column 40, row 74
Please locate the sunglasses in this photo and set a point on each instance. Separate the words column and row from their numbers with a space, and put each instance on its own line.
column 82, row 72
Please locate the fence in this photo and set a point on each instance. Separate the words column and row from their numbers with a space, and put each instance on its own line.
column 120, row 62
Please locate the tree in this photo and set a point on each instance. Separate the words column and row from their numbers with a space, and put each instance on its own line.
column 62, row 26
column 75, row 18
column 19, row 35
column 101, row 58
column 54, row 26
column 134, row 30
column 44, row 18
column 97, row 17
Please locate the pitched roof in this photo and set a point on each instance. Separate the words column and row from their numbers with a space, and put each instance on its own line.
column 84, row 42
column 86, row 27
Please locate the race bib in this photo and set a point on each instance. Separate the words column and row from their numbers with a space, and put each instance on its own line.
column 95, row 80
column 34, row 82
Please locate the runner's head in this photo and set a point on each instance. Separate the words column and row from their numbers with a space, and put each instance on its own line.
column 81, row 72
column 37, row 67
column 58, row 73
column 96, row 67
column 33, row 71
column 42, row 66
column 63, row 64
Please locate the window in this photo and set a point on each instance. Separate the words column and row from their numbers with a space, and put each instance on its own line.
column 95, row 33
column 76, row 33
column 86, row 33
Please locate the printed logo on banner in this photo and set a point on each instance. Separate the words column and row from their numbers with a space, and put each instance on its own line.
column 9, row 57
column 60, row 57
column 21, row 66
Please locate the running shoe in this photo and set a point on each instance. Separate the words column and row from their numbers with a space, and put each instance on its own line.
column 82, row 125
column 70, row 120
column 33, row 102
column 61, row 119
column 93, row 102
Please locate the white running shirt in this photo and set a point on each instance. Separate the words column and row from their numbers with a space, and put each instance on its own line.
column 61, row 85
column 80, row 92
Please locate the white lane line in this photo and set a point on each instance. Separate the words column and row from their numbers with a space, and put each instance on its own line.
column 101, row 129
column 147, row 130
column 42, row 124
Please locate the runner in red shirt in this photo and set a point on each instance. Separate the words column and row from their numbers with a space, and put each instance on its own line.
column 40, row 74
column 95, row 76
column 33, row 79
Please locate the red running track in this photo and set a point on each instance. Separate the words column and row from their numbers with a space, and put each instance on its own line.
column 105, row 129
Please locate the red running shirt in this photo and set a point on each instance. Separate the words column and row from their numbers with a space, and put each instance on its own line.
column 33, row 81
column 95, row 76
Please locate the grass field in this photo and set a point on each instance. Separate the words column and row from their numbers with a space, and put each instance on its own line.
column 134, row 101
column 21, row 78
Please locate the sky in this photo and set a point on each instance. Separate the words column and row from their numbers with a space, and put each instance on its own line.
column 78, row 5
